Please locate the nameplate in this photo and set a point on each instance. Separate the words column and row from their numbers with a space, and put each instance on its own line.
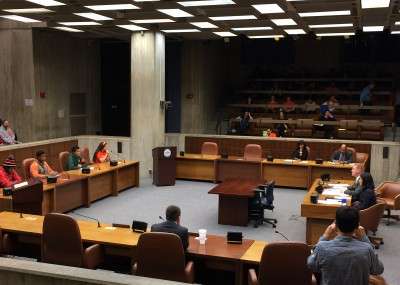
column 22, row 184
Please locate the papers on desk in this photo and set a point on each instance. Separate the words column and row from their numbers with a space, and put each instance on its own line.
column 331, row 202
column 335, row 190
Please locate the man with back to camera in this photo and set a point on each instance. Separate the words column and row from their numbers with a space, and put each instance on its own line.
column 344, row 254
column 172, row 225
column 342, row 155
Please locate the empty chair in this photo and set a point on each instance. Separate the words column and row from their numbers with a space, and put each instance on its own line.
column 161, row 255
column 370, row 218
column 62, row 243
column 303, row 128
column 348, row 129
column 371, row 130
column 62, row 160
column 209, row 148
column 361, row 157
column 85, row 155
column 263, row 200
column 283, row 263
column 26, row 165
column 390, row 193
column 252, row 152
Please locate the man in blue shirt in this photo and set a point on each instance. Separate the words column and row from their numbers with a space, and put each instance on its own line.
column 365, row 95
column 344, row 254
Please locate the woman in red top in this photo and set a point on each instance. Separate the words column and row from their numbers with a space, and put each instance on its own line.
column 8, row 174
column 101, row 154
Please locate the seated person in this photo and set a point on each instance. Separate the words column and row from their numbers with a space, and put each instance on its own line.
column 8, row 174
column 40, row 168
column 7, row 135
column 101, row 154
column 75, row 160
column 244, row 123
column 272, row 103
column 281, row 128
column 310, row 106
column 326, row 114
column 354, row 189
column 342, row 155
column 367, row 196
column 172, row 225
column 344, row 254
column 288, row 105
column 301, row 151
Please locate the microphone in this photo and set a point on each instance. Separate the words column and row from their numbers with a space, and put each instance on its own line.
column 90, row 218
column 278, row 232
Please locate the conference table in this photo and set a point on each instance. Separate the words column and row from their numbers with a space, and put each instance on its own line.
column 121, row 242
column 285, row 172
column 74, row 189
column 319, row 216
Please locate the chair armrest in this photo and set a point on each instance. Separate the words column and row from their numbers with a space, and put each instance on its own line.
column 376, row 280
column 93, row 256
column 253, row 280
column 189, row 272
column 397, row 202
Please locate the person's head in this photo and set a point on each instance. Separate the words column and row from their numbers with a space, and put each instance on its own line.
column 371, row 86
column 343, row 148
column 272, row 98
column 101, row 146
column 6, row 124
column 366, row 180
column 356, row 170
column 76, row 150
column 288, row 99
column 9, row 163
column 41, row 155
column 301, row 144
column 173, row 214
column 281, row 114
column 347, row 220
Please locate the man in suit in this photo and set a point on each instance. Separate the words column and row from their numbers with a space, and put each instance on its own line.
column 342, row 155
column 355, row 189
column 172, row 225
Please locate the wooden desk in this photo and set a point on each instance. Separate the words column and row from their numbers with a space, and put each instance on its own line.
column 319, row 216
column 196, row 167
column 235, row 167
column 233, row 201
column 254, row 253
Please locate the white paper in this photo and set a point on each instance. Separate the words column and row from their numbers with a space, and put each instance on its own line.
column 19, row 185
column 330, row 202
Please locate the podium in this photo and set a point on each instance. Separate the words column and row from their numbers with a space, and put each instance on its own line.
column 164, row 166
column 28, row 199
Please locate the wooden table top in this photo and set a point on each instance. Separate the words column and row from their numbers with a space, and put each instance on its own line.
column 197, row 156
column 100, row 168
column 305, row 163
column 307, row 200
column 253, row 254
column 236, row 187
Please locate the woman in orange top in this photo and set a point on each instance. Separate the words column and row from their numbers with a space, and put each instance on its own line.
column 101, row 154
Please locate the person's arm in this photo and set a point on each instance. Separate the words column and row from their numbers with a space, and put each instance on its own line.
column 7, row 139
column 34, row 170
column 49, row 169
column 185, row 239
column 70, row 163
column 313, row 261
column 333, row 157
column 4, row 181
column 16, row 177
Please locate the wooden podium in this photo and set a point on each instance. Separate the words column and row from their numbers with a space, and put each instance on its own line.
column 164, row 166
column 28, row 199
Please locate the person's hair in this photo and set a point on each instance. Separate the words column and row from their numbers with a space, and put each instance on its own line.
column 100, row 147
column 74, row 148
column 301, row 142
column 39, row 153
column 172, row 213
column 367, row 181
column 347, row 219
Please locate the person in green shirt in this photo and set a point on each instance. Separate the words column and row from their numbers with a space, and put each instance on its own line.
column 74, row 159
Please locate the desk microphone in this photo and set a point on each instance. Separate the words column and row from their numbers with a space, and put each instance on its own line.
column 278, row 232
column 90, row 218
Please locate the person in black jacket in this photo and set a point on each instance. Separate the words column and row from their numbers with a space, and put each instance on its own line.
column 367, row 197
column 172, row 225
column 301, row 151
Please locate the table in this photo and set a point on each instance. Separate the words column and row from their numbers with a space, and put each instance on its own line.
column 196, row 167
column 235, row 167
column 233, row 200
column 318, row 216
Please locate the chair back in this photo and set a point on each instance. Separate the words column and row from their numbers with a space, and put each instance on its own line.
column 209, row 148
column 389, row 189
column 161, row 255
column 26, row 165
column 285, row 263
column 62, row 160
column 252, row 152
column 85, row 155
column 361, row 157
column 61, row 241
column 370, row 217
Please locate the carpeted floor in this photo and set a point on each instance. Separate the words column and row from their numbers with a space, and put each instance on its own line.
column 200, row 210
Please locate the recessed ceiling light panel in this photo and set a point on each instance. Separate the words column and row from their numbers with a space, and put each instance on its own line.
column 20, row 19
column 176, row 13
column 28, row 11
column 284, row 22
column 268, row 8
column 112, row 7
column 47, row 3
column 94, row 16
column 206, row 3
column 233, row 18
column 326, row 13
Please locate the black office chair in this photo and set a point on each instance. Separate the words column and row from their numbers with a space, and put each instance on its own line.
column 262, row 200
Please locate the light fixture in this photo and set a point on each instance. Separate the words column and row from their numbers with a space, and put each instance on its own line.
column 146, row 0
column 373, row 28
column 295, row 31
column 268, row 8
column 181, row 31
column 20, row 19
column 325, row 13
column 330, row 26
column 132, row 27
column 225, row 34
column 266, row 37
column 233, row 18
column 28, row 11
column 176, row 13
column 252, row 29
column 395, row 32
column 397, row 23
column 284, row 22
column 111, row 7
column 67, row 29
column 93, row 16
column 152, row 21
column 205, row 3
column 204, row 25
column 335, row 34
column 366, row 4
column 47, row 3
column 89, row 23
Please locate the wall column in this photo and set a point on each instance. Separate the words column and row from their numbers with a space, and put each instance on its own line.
column 147, row 90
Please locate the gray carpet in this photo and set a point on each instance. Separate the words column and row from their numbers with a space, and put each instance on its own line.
column 200, row 210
